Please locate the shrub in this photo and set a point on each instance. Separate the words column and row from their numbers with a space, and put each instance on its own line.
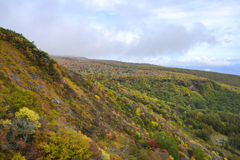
column 151, row 143
column 135, row 149
column 27, row 122
column 171, row 158
column 190, row 152
column 137, row 135
column 199, row 154
column 101, row 145
column 167, row 142
column 182, row 155
column 181, row 148
column 219, row 151
column 173, row 151
column 23, row 98
column 105, row 156
column 18, row 156
column 115, row 157
column 30, row 151
column 144, row 155
column 143, row 143
column 65, row 144
column 97, row 153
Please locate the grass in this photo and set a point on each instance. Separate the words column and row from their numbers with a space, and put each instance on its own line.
column 216, row 136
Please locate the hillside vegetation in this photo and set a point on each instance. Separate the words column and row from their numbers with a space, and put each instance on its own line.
column 233, row 80
column 84, row 109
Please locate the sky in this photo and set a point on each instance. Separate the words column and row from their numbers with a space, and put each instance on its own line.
column 191, row 34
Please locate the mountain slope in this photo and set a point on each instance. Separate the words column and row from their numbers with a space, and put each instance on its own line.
column 233, row 80
column 52, row 112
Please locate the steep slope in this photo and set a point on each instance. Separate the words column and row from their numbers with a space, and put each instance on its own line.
column 176, row 93
column 51, row 112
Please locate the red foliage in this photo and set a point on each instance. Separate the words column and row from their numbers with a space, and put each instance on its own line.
column 20, row 144
column 3, row 138
column 165, row 151
column 30, row 151
column 151, row 143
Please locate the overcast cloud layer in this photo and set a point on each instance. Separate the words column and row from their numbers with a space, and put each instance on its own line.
column 200, row 35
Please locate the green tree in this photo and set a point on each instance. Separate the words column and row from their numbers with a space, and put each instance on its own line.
column 199, row 154
column 167, row 142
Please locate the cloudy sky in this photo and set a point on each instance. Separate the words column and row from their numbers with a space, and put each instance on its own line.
column 195, row 34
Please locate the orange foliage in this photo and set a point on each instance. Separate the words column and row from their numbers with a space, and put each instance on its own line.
column 109, row 135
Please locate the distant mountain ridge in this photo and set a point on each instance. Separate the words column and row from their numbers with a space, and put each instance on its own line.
column 229, row 79
column 233, row 80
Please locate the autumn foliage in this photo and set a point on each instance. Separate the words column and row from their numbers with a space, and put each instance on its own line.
column 69, row 108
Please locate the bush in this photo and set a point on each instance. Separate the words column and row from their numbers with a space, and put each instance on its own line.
column 143, row 143
column 23, row 98
column 151, row 143
column 199, row 154
column 27, row 122
column 97, row 153
column 190, row 152
column 181, row 148
column 65, row 144
column 173, row 151
column 105, row 156
column 145, row 155
column 137, row 135
column 135, row 149
column 101, row 145
column 167, row 142
column 219, row 151
column 115, row 157
column 18, row 156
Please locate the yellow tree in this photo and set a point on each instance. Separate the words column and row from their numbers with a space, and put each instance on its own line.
column 66, row 144
column 27, row 122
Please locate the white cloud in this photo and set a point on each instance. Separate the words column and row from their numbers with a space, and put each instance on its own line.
column 103, row 3
column 197, row 61
column 137, row 30
column 203, row 61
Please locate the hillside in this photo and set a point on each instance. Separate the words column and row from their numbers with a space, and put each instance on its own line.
column 84, row 109
column 229, row 79
column 233, row 80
